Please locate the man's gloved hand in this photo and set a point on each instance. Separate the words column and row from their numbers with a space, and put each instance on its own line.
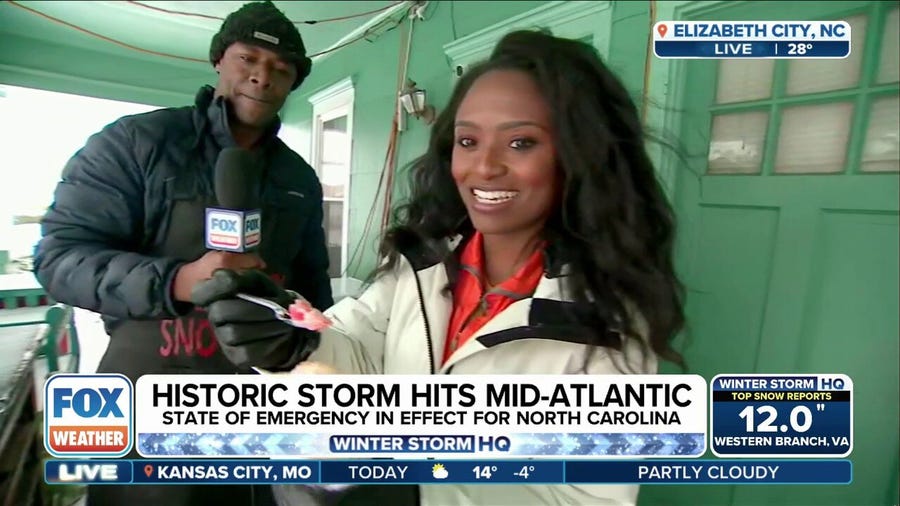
column 250, row 334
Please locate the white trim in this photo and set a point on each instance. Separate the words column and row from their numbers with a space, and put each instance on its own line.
column 553, row 15
column 9, row 70
column 332, row 102
column 672, row 91
column 361, row 29
column 332, row 92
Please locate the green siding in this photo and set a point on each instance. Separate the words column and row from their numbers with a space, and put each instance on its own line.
column 373, row 67
column 627, row 46
column 789, row 272
column 785, row 273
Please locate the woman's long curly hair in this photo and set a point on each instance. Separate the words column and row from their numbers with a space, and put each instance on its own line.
column 614, row 223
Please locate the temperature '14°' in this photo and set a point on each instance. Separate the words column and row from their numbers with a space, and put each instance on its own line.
column 484, row 472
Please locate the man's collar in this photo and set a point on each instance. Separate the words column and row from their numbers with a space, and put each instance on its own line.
column 216, row 112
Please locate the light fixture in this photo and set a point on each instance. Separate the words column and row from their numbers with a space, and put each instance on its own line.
column 413, row 101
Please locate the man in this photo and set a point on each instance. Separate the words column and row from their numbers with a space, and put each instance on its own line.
column 125, row 234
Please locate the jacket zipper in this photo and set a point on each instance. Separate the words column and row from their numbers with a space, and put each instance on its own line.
column 425, row 319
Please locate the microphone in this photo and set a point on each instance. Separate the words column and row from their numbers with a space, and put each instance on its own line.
column 235, row 225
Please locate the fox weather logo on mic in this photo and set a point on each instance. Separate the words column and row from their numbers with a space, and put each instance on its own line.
column 88, row 415
column 229, row 230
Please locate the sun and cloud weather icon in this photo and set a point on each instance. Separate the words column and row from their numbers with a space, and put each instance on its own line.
column 439, row 472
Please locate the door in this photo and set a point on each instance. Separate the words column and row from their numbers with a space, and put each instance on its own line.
column 788, row 240
column 331, row 154
column 333, row 167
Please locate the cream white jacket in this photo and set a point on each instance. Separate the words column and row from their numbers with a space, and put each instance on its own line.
column 398, row 326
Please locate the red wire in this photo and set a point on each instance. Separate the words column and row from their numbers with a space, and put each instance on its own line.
column 313, row 22
column 345, row 44
column 177, row 57
column 182, row 13
column 395, row 130
column 349, row 16
column 104, row 37
column 389, row 184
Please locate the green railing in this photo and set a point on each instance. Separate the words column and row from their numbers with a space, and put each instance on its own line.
column 26, row 303
column 29, row 315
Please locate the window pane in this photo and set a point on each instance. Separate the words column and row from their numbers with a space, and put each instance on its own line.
column 742, row 80
column 335, row 147
column 334, row 166
column 809, row 76
column 813, row 139
column 23, row 119
column 737, row 143
column 889, row 68
column 338, row 124
column 882, row 149
column 332, row 178
column 333, row 225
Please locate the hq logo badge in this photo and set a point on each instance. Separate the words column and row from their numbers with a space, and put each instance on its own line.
column 88, row 415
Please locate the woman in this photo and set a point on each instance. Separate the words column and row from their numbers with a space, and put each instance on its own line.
column 536, row 240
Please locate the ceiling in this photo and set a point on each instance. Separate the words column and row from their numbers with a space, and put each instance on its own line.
column 135, row 24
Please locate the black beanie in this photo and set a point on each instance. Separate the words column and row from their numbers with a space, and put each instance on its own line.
column 262, row 24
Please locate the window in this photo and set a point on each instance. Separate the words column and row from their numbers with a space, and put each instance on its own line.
column 813, row 116
column 39, row 132
column 331, row 158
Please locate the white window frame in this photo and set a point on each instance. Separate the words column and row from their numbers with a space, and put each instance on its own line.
column 671, row 94
column 333, row 102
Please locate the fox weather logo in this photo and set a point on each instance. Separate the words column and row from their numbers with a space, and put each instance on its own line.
column 232, row 230
column 88, row 415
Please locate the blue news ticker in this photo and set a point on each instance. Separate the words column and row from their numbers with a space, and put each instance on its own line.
column 751, row 49
column 760, row 416
column 273, row 472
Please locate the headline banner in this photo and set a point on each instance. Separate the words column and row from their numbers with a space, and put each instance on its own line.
column 420, row 415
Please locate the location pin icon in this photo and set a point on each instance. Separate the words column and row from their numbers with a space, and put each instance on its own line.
column 662, row 29
column 148, row 470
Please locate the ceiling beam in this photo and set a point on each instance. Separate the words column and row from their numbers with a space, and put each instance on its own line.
column 361, row 29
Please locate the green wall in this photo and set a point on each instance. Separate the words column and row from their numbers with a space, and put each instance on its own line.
column 628, row 44
column 373, row 67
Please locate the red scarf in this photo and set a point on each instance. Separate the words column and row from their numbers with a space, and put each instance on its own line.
column 475, row 303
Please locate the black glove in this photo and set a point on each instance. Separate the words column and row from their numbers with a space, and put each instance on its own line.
column 250, row 334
